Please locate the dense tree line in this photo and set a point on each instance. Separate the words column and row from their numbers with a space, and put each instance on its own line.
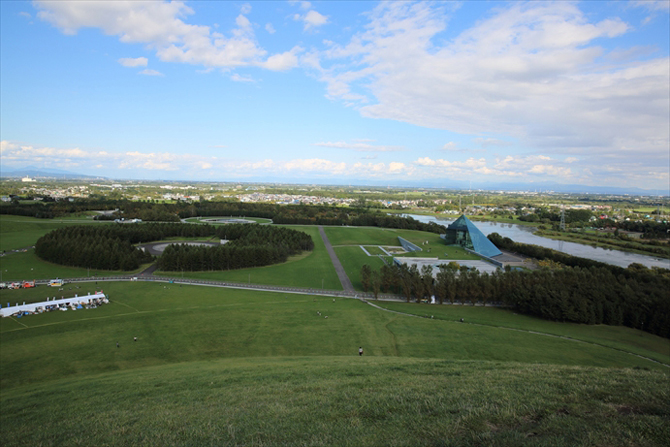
column 110, row 247
column 650, row 229
column 280, row 214
column 50, row 209
column 88, row 247
column 249, row 246
column 594, row 295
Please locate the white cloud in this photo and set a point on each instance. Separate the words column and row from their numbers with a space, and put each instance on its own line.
column 246, row 8
column 25, row 14
column 238, row 78
column 653, row 5
column 133, row 62
column 150, row 72
column 532, row 72
column 284, row 61
column 359, row 146
column 450, row 146
column 269, row 28
column 313, row 19
column 161, row 27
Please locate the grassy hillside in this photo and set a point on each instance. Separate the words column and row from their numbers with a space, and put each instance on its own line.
column 184, row 324
column 216, row 366
column 347, row 401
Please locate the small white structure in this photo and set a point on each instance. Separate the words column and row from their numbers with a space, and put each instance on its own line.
column 33, row 307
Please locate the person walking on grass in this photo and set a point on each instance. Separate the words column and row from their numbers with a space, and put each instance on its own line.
column 360, row 351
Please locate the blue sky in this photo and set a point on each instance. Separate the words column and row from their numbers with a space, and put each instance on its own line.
column 340, row 92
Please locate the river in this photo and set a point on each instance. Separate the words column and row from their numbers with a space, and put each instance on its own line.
column 524, row 234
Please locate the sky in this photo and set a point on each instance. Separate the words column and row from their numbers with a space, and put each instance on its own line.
column 440, row 94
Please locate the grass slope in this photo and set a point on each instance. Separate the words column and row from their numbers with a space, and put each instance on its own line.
column 184, row 324
column 617, row 337
column 234, row 367
column 346, row 401
column 307, row 270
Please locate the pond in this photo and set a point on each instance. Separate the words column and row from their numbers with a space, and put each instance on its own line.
column 525, row 235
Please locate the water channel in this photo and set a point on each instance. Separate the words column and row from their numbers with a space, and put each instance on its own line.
column 524, row 234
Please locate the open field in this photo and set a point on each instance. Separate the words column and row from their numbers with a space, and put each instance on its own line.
column 19, row 231
column 306, row 270
column 27, row 266
column 231, row 367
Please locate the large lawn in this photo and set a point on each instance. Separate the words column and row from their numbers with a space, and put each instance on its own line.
column 311, row 270
column 190, row 323
column 216, row 366
column 19, row 231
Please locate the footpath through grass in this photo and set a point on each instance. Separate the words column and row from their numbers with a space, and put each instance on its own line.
column 345, row 401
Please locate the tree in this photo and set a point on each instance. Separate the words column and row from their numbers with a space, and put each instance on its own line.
column 366, row 273
column 376, row 283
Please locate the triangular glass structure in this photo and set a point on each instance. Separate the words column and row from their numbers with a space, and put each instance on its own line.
column 464, row 233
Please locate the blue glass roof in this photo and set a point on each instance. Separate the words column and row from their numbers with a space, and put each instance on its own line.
column 481, row 243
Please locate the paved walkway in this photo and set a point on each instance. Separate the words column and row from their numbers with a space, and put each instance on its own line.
column 344, row 279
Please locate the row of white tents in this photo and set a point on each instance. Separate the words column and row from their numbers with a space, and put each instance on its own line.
column 76, row 302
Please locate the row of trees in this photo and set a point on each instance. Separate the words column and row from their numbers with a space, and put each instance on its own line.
column 110, row 247
column 52, row 209
column 592, row 295
column 85, row 249
column 280, row 214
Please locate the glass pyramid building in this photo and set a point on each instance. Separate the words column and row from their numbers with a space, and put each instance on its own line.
column 464, row 233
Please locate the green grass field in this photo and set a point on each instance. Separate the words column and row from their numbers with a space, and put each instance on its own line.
column 352, row 259
column 19, row 231
column 27, row 266
column 217, row 366
column 435, row 248
column 374, row 250
column 230, row 367
column 309, row 270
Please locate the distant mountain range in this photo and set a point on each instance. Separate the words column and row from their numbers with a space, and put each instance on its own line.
column 33, row 172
